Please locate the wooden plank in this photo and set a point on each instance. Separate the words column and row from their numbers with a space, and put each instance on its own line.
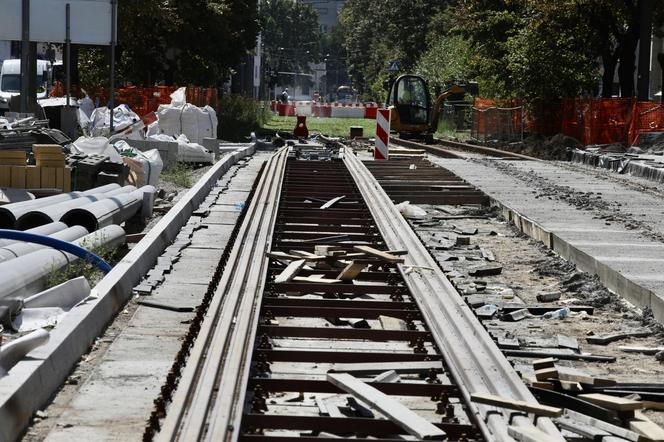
column 395, row 411
column 611, row 402
column 290, row 271
column 351, row 271
column 308, row 256
column 544, row 363
column 572, row 375
column 643, row 425
column 281, row 255
column 607, row 339
column 544, row 374
column 332, row 202
column 601, row 425
column 319, row 280
column 387, row 376
column 527, row 434
column 374, row 368
column 380, row 254
column 528, row 407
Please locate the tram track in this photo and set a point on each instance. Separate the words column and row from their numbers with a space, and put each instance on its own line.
column 261, row 339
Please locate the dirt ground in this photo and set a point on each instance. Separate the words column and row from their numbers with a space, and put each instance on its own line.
column 529, row 269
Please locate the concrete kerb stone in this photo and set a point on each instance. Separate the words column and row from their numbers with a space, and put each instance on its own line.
column 632, row 291
column 32, row 382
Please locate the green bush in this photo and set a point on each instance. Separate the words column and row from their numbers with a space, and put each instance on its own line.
column 239, row 116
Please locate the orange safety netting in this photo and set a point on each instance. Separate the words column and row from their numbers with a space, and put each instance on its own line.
column 143, row 100
column 589, row 120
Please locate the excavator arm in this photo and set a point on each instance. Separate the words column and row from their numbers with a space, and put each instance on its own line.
column 456, row 89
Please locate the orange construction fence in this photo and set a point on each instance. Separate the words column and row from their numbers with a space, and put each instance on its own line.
column 143, row 100
column 589, row 120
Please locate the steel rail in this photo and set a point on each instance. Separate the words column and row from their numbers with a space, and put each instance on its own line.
column 474, row 360
column 440, row 151
column 208, row 403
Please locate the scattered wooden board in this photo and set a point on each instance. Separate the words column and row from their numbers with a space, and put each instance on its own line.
column 406, row 418
column 290, row 271
column 385, row 256
column 351, row 271
column 611, row 402
column 643, row 350
column 373, row 368
column 643, row 425
column 528, row 407
column 319, row 280
column 607, row 339
column 601, row 425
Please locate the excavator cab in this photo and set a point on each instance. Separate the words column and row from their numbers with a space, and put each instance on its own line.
column 414, row 112
column 411, row 100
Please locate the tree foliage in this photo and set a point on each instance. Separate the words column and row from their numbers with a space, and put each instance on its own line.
column 292, row 38
column 182, row 41
column 377, row 32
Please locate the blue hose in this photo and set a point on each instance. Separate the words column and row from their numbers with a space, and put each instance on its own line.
column 58, row 244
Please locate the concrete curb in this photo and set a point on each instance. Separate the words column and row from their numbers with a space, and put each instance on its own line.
column 632, row 291
column 33, row 381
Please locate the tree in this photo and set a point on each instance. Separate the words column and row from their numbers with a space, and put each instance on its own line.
column 182, row 41
column 292, row 38
column 377, row 32
column 617, row 24
column 445, row 60
column 548, row 57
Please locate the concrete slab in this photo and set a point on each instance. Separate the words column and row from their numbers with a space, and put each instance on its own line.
column 130, row 375
column 615, row 236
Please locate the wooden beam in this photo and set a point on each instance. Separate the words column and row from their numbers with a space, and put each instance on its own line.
column 380, row 254
column 406, row 418
column 526, row 434
column 351, row 271
column 611, row 402
column 528, row 407
column 601, row 425
column 290, row 271
column 380, row 367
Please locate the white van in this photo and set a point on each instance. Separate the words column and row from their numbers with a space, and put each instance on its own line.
column 10, row 80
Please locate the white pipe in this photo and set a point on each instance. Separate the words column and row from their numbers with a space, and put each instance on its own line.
column 23, row 248
column 46, row 229
column 17, row 349
column 28, row 274
column 115, row 210
column 54, row 212
column 9, row 213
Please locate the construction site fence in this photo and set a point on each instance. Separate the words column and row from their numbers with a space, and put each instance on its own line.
column 325, row 110
column 497, row 123
column 143, row 100
column 455, row 116
column 589, row 120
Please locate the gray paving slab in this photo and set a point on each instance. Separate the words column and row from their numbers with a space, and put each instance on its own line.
column 115, row 402
column 536, row 195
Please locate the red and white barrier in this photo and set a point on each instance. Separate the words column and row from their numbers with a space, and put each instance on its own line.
column 381, row 150
column 327, row 110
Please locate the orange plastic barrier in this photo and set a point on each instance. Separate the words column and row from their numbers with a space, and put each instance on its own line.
column 143, row 100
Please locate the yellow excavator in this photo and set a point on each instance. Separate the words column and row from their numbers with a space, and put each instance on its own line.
column 414, row 115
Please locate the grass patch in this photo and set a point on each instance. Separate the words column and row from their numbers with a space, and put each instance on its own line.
column 82, row 267
column 334, row 127
column 179, row 174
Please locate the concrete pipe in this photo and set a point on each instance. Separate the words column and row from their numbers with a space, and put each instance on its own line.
column 28, row 274
column 115, row 210
column 23, row 248
column 46, row 229
column 54, row 212
column 9, row 213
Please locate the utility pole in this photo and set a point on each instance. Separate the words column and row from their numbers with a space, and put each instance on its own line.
column 645, row 29
column 113, row 38
column 25, row 54
column 660, row 59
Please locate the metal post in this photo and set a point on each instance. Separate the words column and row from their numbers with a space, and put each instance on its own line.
column 660, row 59
column 25, row 53
column 643, row 77
column 68, row 52
column 113, row 38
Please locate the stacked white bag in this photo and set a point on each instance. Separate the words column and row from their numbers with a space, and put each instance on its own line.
column 180, row 117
